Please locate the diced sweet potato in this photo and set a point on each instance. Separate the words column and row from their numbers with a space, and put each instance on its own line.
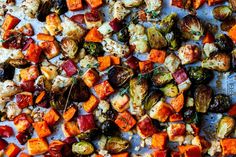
column 228, row 146
column 70, row 129
column 198, row 3
column 3, row 144
column 159, row 140
column 162, row 153
column 94, row 3
column 37, row 146
column 115, row 60
column 157, row 56
column 22, row 122
column 74, row 5
column 24, row 99
column 56, row 148
column 33, row 53
column 29, row 74
column 10, row 22
column 103, row 89
column 51, row 117
column 145, row 66
column 120, row 102
column 176, row 132
column 232, row 33
column 104, row 62
column 145, row 127
column 190, row 151
column 90, row 77
column 176, row 117
column 50, row 48
column 86, row 122
column 42, row 129
column 90, row 104
column 125, row 121
column 125, row 154
column 93, row 36
column 214, row 2
column 178, row 102
column 24, row 155
column 70, row 113
column 161, row 111
column 6, row 131
column 12, row 150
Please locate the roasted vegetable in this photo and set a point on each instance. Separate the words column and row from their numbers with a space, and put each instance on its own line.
column 218, row 62
column 199, row 75
column 119, row 75
column 189, row 54
column 60, row 6
column 132, row 3
column 191, row 27
column 221, row 12
column 80, row 92
column 202, row 97
column 234, row 59
column 172, row 62
column 125, row 121
column 70, row 47
column 224, row 43
column 233, row 5
column 94, row 49
column 89, row 135
column 109, row 128
column 161, row 78
column 168, row 22
column 228, row 23
column 44, row 10
column 116, row 145
column 152, row 98
column 156, row 39
column 6, row 71
column 225, row 126
column 82, row 148
column 220, row 103
column 190, row 115
column 19, row 63
column 170, row 90
column 123, row 35
column 172, row 39
column 57, row 101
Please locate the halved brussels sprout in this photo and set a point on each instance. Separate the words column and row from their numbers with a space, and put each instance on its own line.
column 82, row 148
column 202, row 97
column 225, row 127
column 123, row 35
column 200, row 75
column 89, row 135
column 57, row 101
column 168, row 22
column 6, row 71
column 221, row 12
column 228, row 23
column 190, row 115
column 220, row 103
column 155, row 38
column 44, row 10
column 119, row 75
column 225, row 43
column 191, row 27
column 116, row 145
column 170, row 90
column 19, row 63
column 60, row 6
column 152, row 99
column 70, row 47
column 94, row 49
column 162, row 78
column 109, row 128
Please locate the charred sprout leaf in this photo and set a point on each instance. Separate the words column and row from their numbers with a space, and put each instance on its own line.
column 225, row 127
column 191, row 116
column 220, row 103
column 170, row 90
column 80, row 92
column 191, row 27
column 60, row 6
column 69, row 47
column 89, row 135
column 218, row 62
column 116, row 145
column 155, row 38
column 123, row 35
column 6, row 71
column 202, row 97
column 109, row 128
column 138, row 90
column 225, row 43
column 94, row 49
column 168, row 22
column 152, row 99
column 161, row 78
column 119, row 75
column 199, row 75
column 228, row 23
column 221, row 12
column 19, row 63
column 44, row 10
column 82, row 148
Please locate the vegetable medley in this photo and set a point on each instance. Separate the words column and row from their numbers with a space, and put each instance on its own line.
column 113, row 74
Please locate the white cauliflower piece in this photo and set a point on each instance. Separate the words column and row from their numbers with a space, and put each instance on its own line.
column 132, row 3
column 88, row 61
column 30, row 7
column 8, row 88
column 61, row 83
column 12, row 110
column 119, row 11
column 153, row 5
column 215, row 148
column 210, row 48
column 6, row 54
column 105, row 28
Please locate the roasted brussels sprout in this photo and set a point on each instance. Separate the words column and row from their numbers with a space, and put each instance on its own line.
column 60, row 6
column 220, row 103
column 225, row 127
column 123, row 35
column 44, row 10
column 199, row 75
column 94, row 49
column 232, row 4
column 155, row 38
column 218, row 61
column 173, row 39
column 170, row 90
column 69, row 47
column 221, row 12
column 202, row 98
column 19, row 63
column 228, row 23
column 116, row 145
column 190, row 115
column 6, row 71
column 57, row 101
column 82, row 148
column 152, row 99
column 161, row 78
column 191, row 27
column 224, row 43
column 79, row 92
column 109, row 128
column 168, row 22
column 119, row 75
column 89, row 135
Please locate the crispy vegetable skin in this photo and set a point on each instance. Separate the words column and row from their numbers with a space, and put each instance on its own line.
column 156, row 39
column 220, row 103
column 116, row 145
column 83, row 148
column 225, row 127
column 200, row 75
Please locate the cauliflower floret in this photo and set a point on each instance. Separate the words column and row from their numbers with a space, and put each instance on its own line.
column 189, row 54
column 132, row 3
column 215, row 147
column 8, row 88
column 119, row 11
column 210, row 48
column 60, row 83
column 105, row 28
column 88, row 61
column 172, row 62
column 30, row 7
column 6, row 54
column 12, row 110
column 153, row 5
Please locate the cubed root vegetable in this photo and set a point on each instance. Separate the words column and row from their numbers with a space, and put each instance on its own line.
column 190, row 150
column 178, row 102
column 69, row 67
column 37, row 146
column 103, row 89
column 22, row 122
column 232, row 33
column 175, row 117
column 51, row 117
column 159, row 153
column 91, row 77
column 70, row 129
column 33, row 53
column 94, row 3
column 50, row 48
column 74, row 5
column 125, row 121
column 24, row 155
column 228, row 146
column 104, row 62
column 176, row 132
column 93, row 36
column 145, row 127
column 45, row 37
column 159, row 140
column 24, row 99
column 208, row 38
column 115, row 60
column 12, row 150
column 198, row 3
column 6, row 131
column 90, row 104
column 10, row 22
column 3, row 144
column 125, row 154
column 145, row 66
column 157, row 56
column 29, row 74
column 232, row 111
column 70, row 113
column 42, row 129
column 86, row 122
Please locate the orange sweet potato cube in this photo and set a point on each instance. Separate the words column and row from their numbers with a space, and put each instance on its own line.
column 103, row 89
column 228, row 146
column 51, row 117
column 125, row 154
column 70, row 113
column 42, row 129
column 29, row 74
column 159, row 140
column 175, row 117
column 12, row 150
column 74, row 5
column 10, row 22
column 115, row 60
column 162, row 153
column 91, row 104
column 145, row 66
column 94, row 3
column 125, row 121
column 157, row 56
column 104, row 62
column 145, row 127
column 22, row 122
column 90, row 77
column 176, row 132
column 37, row 146
column 70, row 129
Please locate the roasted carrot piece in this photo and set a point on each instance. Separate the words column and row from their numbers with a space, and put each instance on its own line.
column 40, row 97
column 104, row 62
column 126, row 154
column 228, row 146
column 10, row 22
column 45, row 37
column 90, row 104
column 209, row 38
column 74, row 5
column 93, row 35
column 232, row 110
column 12, row 150
column 159, row 140
column 125, row 121
column 232, row 33
column 178, row 102
column 115, row 60
column 157, row 56
column 69, row 114
column 94, row 3
column 51, row 117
